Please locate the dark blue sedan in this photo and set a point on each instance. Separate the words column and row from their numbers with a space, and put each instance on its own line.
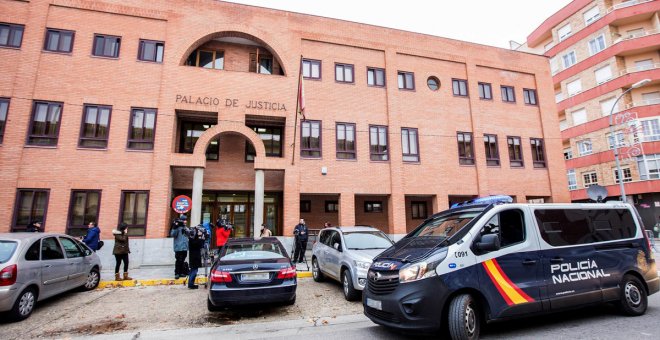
column 250, row 271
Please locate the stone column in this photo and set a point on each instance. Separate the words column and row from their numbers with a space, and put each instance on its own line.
column 198, row 184
column 258, row 217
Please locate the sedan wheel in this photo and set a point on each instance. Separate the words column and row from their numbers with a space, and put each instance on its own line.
column 24, row 305
column 93, row 280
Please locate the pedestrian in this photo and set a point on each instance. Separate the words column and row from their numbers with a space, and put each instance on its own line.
column 34, row 227
column 121, row 251
column 93, row 236
column 195, row 245
column 300, row 234
column 265, row 232
column 222, row 232
column 327, row 225
column 180, row 246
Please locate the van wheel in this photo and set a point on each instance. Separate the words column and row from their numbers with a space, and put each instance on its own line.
column 24, row 305
column 350, row 293
column 316, row 271
column 463, row 319
column 633, row 296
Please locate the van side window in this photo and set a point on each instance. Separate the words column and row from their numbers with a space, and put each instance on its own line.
column 509, row 224
column 612, row 224
column 32, row 253
column 562, row 227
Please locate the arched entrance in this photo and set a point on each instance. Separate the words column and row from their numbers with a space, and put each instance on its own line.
column 199, row 158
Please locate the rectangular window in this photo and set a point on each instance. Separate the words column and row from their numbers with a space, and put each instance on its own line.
column 409, row 144
column 11, row 35
column 492, row 151
column 459, row 87
column 579, row 117
column 150, row 50
column 345, row 141
column 574, row 87
column 207, row 59
column 378, row 150
column 271, row 136
column 310, row 138
column 508, row 94
column 627, row 175
column 83, row 208
column 373, row 206
column 344, row 73
column 418, row 210
column 485, row 91
column 95, row 127
column 564, row 227
column 4, row 110
column 651, row 98
column 649, row 166
column 305, row 206
column 569, row 59
column 133, row 211
column 597, row 44
column 465, row 148
column 331, row 206
column 643, row 65
column 538, row 152
column 603, row 74
column 564, row 32
column 563, row 125
column 584, row 147
column 530, row 96
column 106, row 46
column 515, row 152
column 190, row 133
column 406, row 80
column 260, row 63
column 142, row 131
column 589, row 178
column 591, row 15
column 606, row 106
column 572, row 180
column 311, row 69
column 31, row 206
column 59, row 40
column 620, row 139
column 45, row 123
column 651, row 129
column 568, row 153
column 375, row 77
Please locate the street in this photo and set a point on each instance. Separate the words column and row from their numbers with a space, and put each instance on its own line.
column 172, row 312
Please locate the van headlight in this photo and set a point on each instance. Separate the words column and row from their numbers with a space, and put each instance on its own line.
column 362, row 265
column 421, row 270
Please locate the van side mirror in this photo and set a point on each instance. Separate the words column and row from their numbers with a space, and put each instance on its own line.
column 488, row 242
column 337, row 246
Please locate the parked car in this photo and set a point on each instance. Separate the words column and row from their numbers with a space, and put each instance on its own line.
column 36, row 266
column 345, row 254
column 250, row 271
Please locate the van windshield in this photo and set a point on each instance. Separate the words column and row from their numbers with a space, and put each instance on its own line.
column 7, row 249
column 446, row 226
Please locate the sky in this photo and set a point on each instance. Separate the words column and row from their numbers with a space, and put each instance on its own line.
column 488, row 22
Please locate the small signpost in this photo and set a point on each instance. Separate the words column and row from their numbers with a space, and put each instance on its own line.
column 182, row 204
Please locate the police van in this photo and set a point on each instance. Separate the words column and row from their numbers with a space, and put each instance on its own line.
column 478, row 263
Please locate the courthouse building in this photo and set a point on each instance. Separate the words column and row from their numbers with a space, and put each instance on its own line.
column 598, row 50
column 111, row 108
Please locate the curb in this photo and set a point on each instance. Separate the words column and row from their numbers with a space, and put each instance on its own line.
column 165, row 282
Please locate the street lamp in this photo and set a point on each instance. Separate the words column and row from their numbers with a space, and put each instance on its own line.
column 614, row 140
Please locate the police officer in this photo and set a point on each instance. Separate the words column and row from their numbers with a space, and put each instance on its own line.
column 301, row 235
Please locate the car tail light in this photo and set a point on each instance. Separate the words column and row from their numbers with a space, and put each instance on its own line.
column 8, row 275
column 220, row 277
column 287, row 273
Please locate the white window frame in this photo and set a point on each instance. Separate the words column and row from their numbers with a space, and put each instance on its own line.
column 562, row 33
column 572, row 58
column 645, row 162
column 577, row 84
column 572, row 179
column 585, row 147
column 650, row 129
column 595, row 43
column 580, row 112
column 590, row 182
column 607, row 77
column 626, row 179
column 568, row 153
column 620, row 140
column 591, row 15
column 607, row 109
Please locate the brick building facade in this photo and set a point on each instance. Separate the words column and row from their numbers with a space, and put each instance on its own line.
column 110, row 107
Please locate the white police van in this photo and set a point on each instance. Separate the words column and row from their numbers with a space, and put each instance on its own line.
column 485, row 262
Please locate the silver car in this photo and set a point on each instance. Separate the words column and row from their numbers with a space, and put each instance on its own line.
column 36, row 266
column 345, row 254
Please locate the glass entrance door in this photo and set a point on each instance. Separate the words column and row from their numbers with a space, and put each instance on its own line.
column 236, row 213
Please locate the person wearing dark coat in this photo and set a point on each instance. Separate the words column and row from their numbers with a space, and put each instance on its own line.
column 195, row 245
column 121, row 251
column 92, row 237
column 300, row 234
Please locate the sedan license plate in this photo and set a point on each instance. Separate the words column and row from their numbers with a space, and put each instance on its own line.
column 377, row 304
column 255, row 277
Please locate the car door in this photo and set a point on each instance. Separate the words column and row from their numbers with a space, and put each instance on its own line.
column 511, row 277
column 333, row 254
column 321, row 248
column 54, row 267
column 74, row 256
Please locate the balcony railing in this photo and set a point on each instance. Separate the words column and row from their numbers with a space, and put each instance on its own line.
column 654, row 101
column 617, row 38
column 639, row 69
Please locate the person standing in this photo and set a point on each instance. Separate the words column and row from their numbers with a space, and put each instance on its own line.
column 222, row 232
column 180, row 245
column 92, row 237
column 265, row 232
column 300, row 233
column 121, row 251
column 195, row 245
column 34, row 227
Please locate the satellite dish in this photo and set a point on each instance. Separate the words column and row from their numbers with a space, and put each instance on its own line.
column 597, row 193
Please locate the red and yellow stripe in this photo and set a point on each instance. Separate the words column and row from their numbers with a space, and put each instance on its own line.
column 511, row 293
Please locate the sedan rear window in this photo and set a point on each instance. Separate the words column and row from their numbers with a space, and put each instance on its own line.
column 252, row 251
column 7, row 249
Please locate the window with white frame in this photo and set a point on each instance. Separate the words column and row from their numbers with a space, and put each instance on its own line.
column 584, row 147
column 563, row 125
column 589, row 178
column 649, row 166
column 606, row 106
column 554, row 65
column 651, row 98
column 559, row 96
column 568, row 153
column 591, row 15
column 579, row 116
column 597, row 44
column 627, row 175
column 643, row 65
column 564, row 32
column 574, row 87
column 620, row 140
column 603, row 74
column 651, row 129
column 569, row 59
column 572, row 180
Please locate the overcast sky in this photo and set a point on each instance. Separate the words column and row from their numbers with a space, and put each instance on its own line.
column 489, row 22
